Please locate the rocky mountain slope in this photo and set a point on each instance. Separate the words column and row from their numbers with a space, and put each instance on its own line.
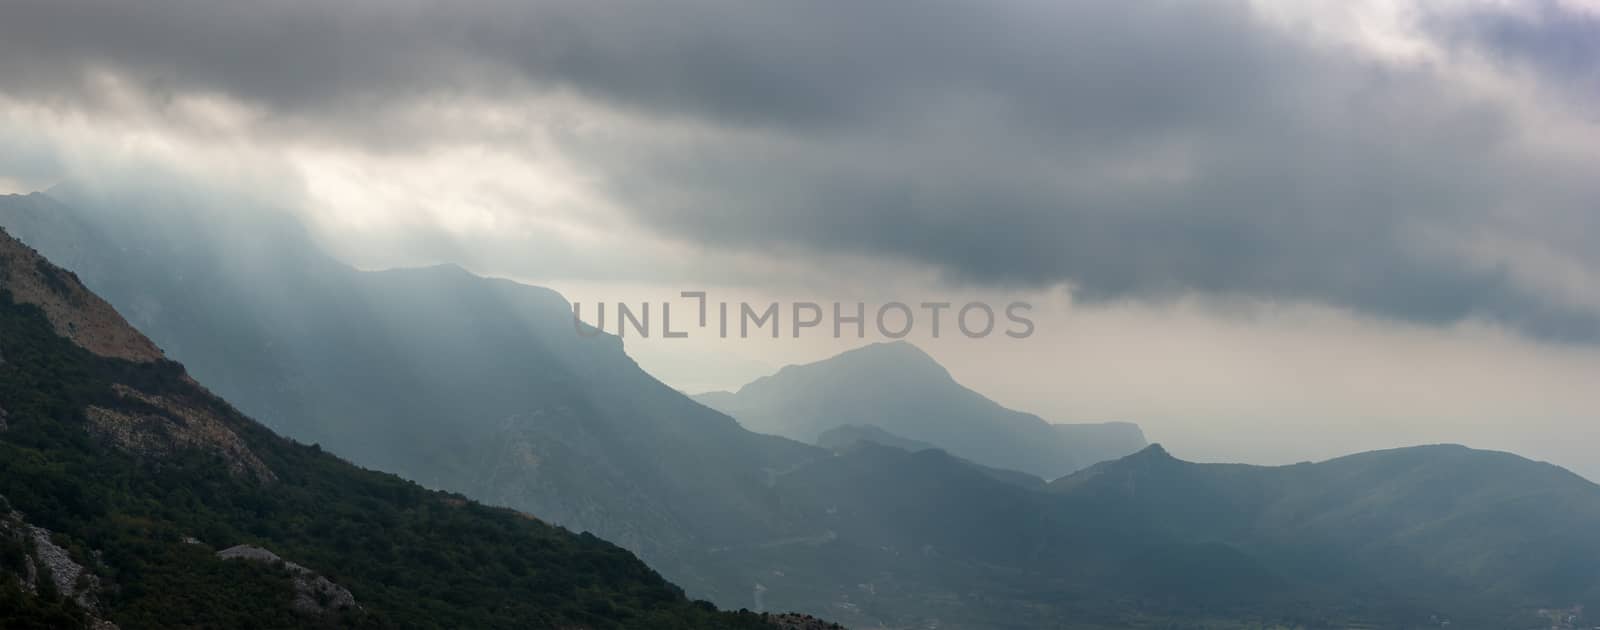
column 121, row 477
column 459, row 382
column 40, row 582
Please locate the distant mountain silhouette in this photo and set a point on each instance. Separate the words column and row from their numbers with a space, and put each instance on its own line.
column 1437, row 519
column 1392, row 538
column 897, row 388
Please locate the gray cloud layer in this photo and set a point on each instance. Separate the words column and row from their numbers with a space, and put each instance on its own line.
column 1135, row 150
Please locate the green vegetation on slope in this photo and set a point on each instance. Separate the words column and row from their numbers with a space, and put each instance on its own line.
column 413, row 557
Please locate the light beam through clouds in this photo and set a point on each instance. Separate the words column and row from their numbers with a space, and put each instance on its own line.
column 1375, row 184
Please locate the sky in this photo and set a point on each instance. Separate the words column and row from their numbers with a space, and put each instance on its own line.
column 1266, row 231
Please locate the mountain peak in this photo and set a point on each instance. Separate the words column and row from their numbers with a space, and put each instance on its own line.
column 897, row 347
column 901, row 356
column 73, row 311
column 446, row 268
column 1152, row 457
column 898, row 361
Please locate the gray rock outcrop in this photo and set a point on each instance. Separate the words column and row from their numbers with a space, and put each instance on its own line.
column 314, row 594
column 45, row 560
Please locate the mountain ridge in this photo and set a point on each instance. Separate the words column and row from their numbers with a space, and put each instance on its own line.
column 475, row 385
column 123, row 514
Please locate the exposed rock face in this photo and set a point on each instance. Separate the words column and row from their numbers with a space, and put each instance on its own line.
column 314, row 594
column 114, row 502
column 73, row 311
column 167, row 426
column 45, row 560
column 62, row 570
column 148, row 425
column 412, row 372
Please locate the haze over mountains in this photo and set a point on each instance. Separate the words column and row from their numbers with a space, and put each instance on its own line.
column 483, row 387
column 459, row 382
column 1197, row 315
column 900, row 392
column 1397, row 538
column 1436, row 522
column 132, row 497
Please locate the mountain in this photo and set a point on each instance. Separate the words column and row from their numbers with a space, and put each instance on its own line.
column 1403, row 538
column 1450, row 527
column 897, row 388
column 1099, row 442
column 985, row 553
column 132, row 497
column 474, row 385
column 484, row 387
column 827, row 397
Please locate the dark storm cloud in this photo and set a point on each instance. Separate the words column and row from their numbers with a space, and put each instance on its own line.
column 825, row 64
column 1546, row 35
column 1136, row 150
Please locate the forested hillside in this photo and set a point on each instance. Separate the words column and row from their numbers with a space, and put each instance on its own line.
column 142, row 476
